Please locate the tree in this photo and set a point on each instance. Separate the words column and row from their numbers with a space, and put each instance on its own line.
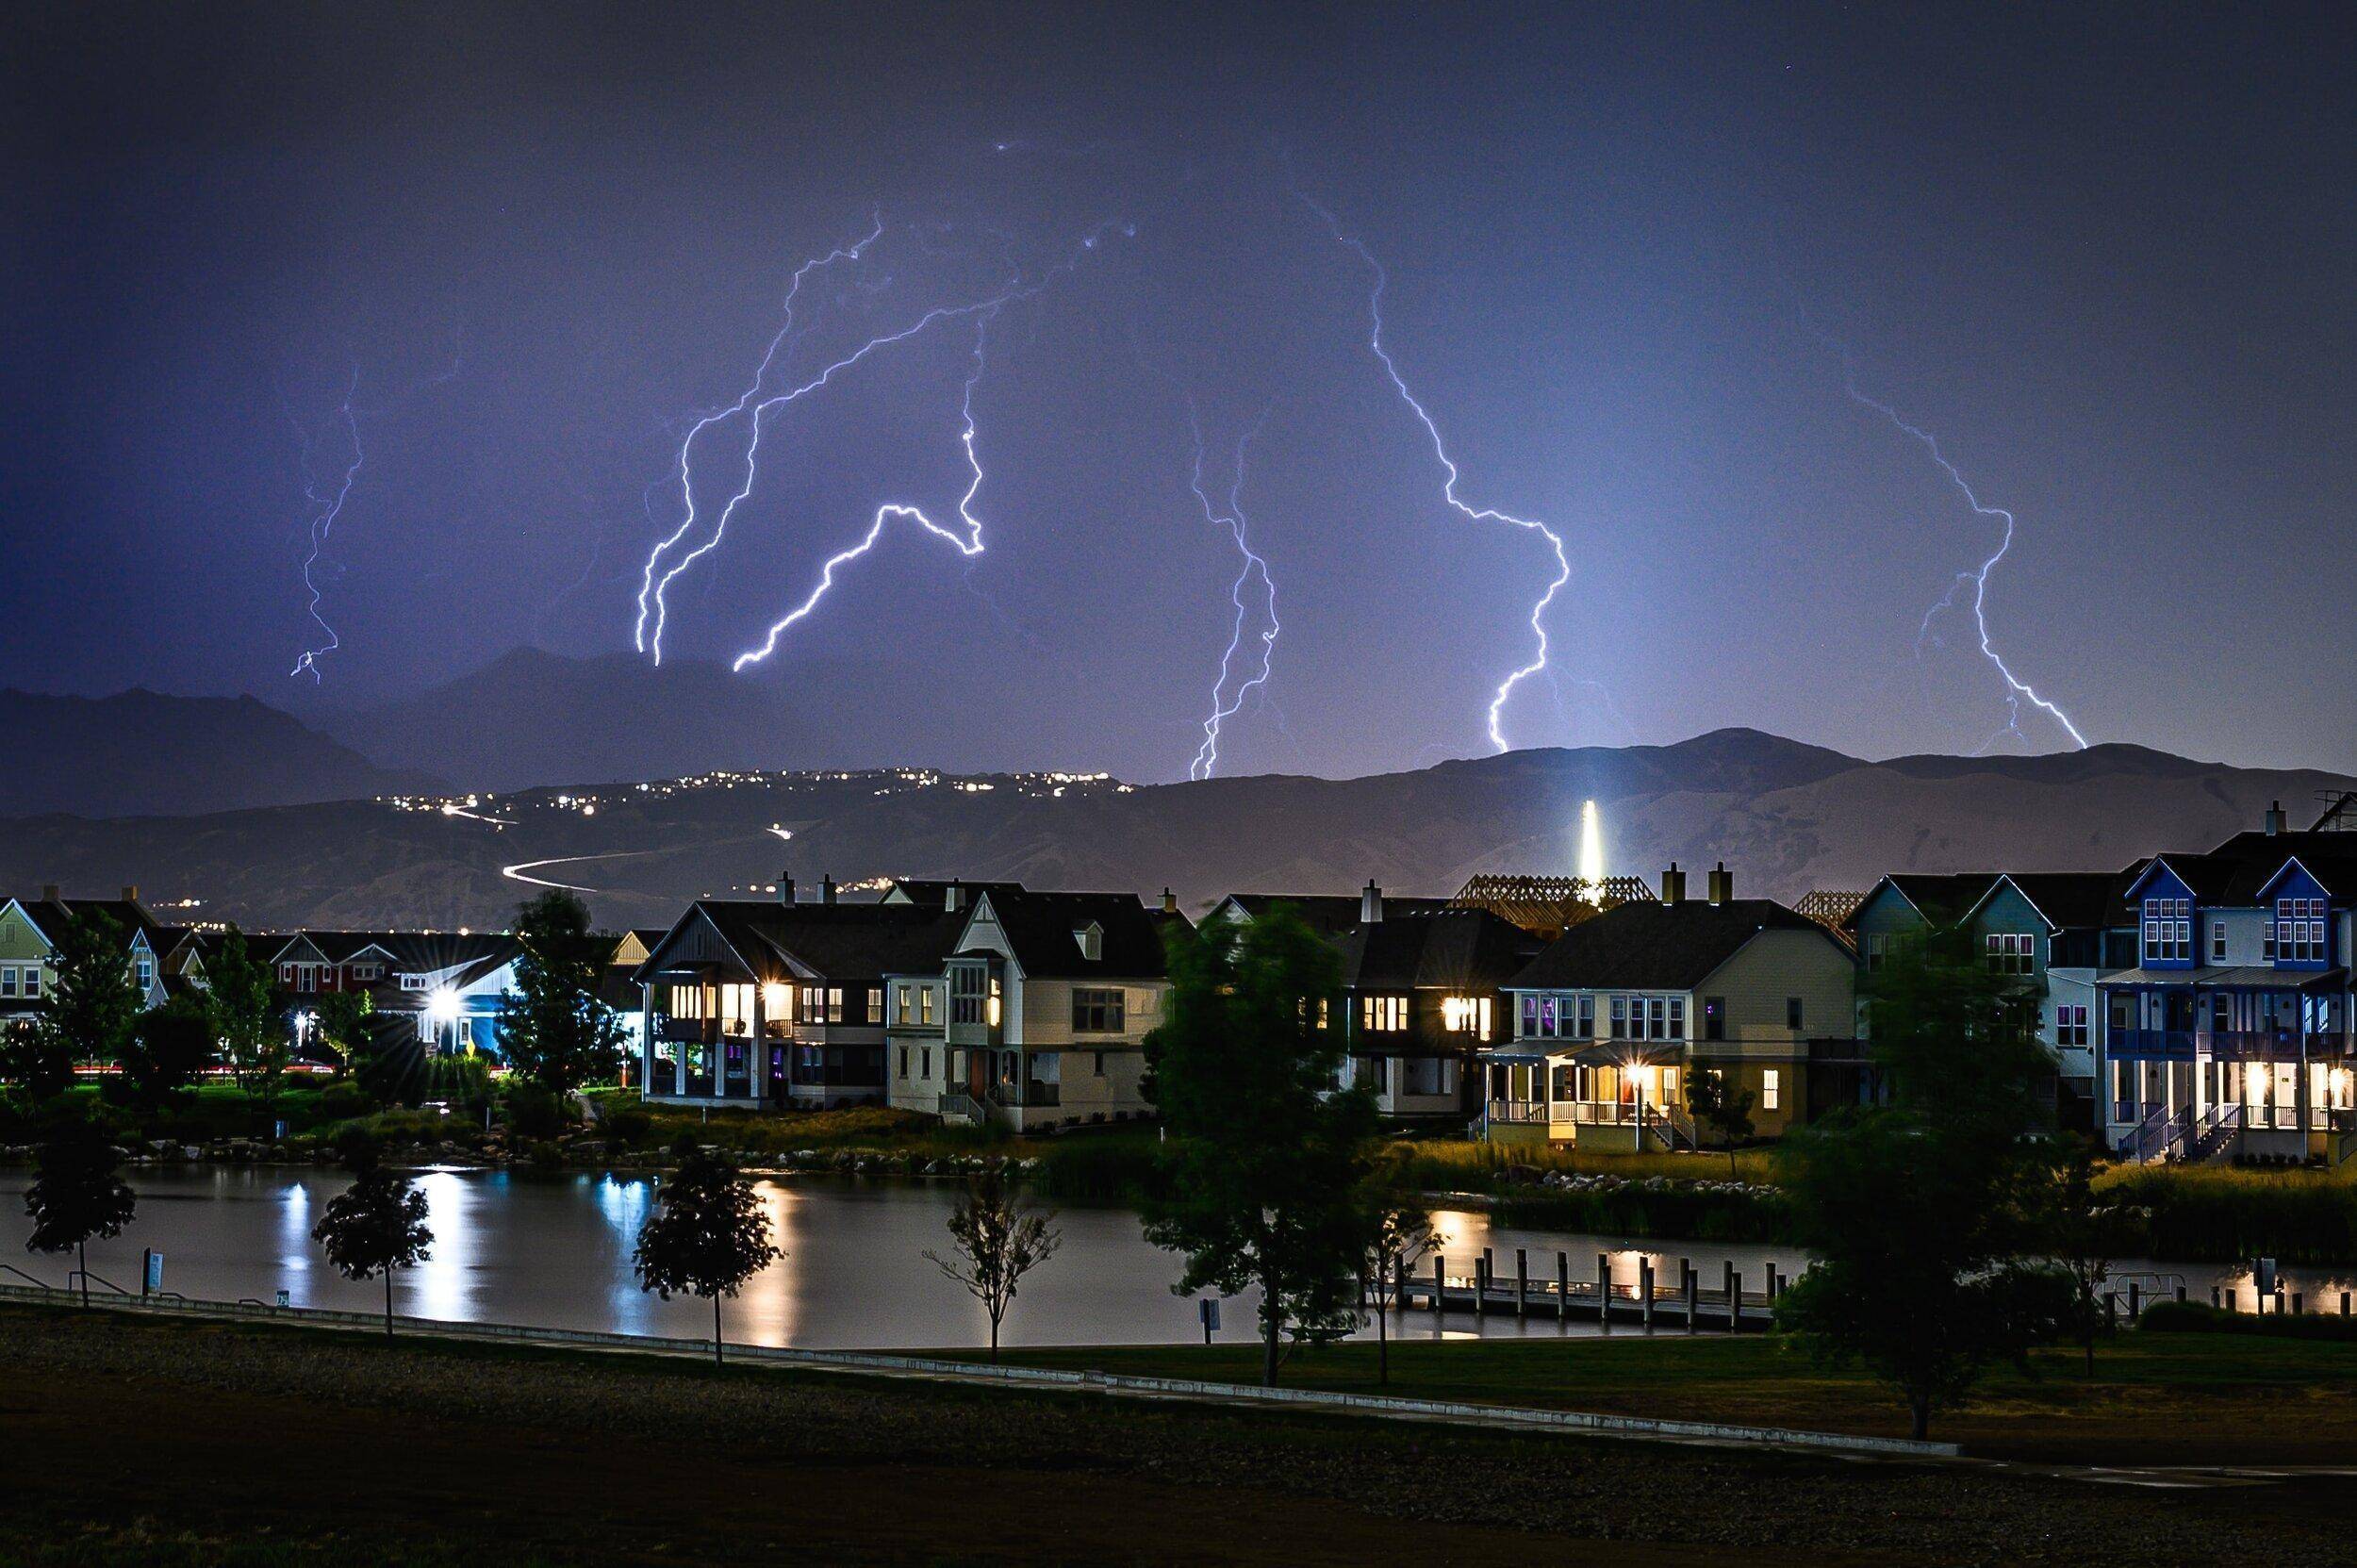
column 552, row 1028
column 34, row 1059
column 344, row 1024
column 998, row 1241
column 707, row 1236
column 246, row 1015
column 169, row 1047
column 93, row 1004
column 1266, row 1155
column 2078, row 1237
column 375, row 1225
column 1914, row 1210
column 77, row 1193
column 1399, row 1235
column 1724, row 1109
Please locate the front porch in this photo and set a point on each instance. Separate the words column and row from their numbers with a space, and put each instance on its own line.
column 2250, row 1063
column 1614, row 1098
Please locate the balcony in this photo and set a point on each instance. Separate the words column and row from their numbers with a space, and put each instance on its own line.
column 1033, row 1095
column 2151, row 1044
column 691, row 1031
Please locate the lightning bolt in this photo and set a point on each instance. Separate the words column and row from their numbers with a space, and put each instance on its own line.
column 1448, row 490
column 2016, row 690
column 1251, row 565
column 325, row 509
column 757, row 408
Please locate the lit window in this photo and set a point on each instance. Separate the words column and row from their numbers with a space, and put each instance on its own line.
column 1771, row 1089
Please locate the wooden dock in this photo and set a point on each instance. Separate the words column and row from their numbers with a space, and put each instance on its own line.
column 1541, row 1288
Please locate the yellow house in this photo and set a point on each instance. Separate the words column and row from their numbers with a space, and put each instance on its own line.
column 1612, row 1020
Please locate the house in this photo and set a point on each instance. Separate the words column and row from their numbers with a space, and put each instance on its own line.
column 29, row 931
column 2231, row 1031
column 1615, row 1014
column 1050, row 996
column 917, row 1001
column 1422, row 990
column 2053, row 931
column 767, row 1003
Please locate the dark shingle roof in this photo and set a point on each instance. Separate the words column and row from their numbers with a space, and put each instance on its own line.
column 2075, row 901
column 54, row 915
column 1657, row 946
column 1457, row 950
column 931, row 894
column 1329, row 914
column 853, row 941
column 1042, row 927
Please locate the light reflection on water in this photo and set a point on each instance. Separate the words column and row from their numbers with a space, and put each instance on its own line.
column 555, row 1250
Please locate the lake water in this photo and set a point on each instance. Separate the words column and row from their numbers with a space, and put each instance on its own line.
column 554, row 1250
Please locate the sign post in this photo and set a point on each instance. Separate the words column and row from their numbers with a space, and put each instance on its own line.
column 1208, row 1309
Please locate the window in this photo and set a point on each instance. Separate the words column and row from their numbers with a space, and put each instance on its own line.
column 1648, row 1018
column 1771, row 1089
column 1714, row 1017
column 1877, row 949
column 2169, row 931
column 1096, row 1011
column 2218, row 941
column 1092, row 940
column 925, row 1063
column 147, row 971
column 687, row 1002
column 32, row 981
column 1558, row 1017
column 285, row 974
column 2300, row 930
column 924, row 1004
column 1099, row 1057
column 1383, row 1015
column 968, row 986
column 875, row 1004
column 904, row 998
column 822, row 1004
column 1792, row 1013
column 1466, row 1015
column 8, row 982
column 2008, row 952
column 904, row 1061
column 2070, row 1026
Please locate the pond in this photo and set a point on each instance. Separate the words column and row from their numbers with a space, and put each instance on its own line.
column 555, row 1251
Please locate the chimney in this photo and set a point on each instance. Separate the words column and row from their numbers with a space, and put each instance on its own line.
column 825, row 888
column 1674, row 885
column 1369, row 904
column 1721, row 885
column 51, row 892
column 2275, row 818
column 952, row 898
column 1170, row 902
column 130, row 892
column 785, row 887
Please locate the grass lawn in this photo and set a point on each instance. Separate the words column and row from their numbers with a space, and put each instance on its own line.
column 2154, row 1399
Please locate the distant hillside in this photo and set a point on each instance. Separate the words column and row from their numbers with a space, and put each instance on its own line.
column 144, row 752
column 1784, row 817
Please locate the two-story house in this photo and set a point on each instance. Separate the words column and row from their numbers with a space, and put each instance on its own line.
column 2051, row 933
column 917, row 1000
column 1050, row 996
column 2231, row 1033
column 1612, row 1018
column 31, row 928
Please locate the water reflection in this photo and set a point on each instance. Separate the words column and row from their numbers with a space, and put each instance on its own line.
column 555, row 1250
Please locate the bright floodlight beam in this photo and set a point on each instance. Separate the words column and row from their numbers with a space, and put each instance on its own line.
column 1448, row 490
column 1591, row 845
column 2017, row 689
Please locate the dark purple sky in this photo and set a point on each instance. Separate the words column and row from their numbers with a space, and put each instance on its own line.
column 2102, row 253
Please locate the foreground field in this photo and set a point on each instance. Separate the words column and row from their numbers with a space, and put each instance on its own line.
column 2155, row 1399
column 134, row 1441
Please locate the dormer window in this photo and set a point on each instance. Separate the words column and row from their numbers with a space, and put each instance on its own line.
column 2300, row 930
column 1092, row 940
column 2169, row 931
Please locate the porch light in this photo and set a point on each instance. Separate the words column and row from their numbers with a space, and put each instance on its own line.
column 1453, row 1013
column 442, row 1007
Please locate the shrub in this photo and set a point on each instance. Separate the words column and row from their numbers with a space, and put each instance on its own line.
column 535, row 1112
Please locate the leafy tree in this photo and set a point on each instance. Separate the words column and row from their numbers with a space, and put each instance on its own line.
column 1399, row 1234
column 2078, row 1236
column 998, row 1241
column 1265, row 1163
column 1724, row 1108
column 707, row 1236
column 1915, row 1209
column 92, row 1004
column 247, row 1015
column 375, row 1226
column 344, row 1024
column 36, row 1059
column 169, row 1047
column 77, row 1193
column 552, row 1028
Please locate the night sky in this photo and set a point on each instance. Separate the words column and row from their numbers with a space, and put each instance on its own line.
column 2102, row 255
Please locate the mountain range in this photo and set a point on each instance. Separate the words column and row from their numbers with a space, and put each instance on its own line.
column 1784, row 817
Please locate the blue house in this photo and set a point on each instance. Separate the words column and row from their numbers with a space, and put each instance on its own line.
column 2230, row 1032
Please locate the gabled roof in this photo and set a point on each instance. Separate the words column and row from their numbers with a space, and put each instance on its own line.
column 817, row 940
column 1329, row 914
column 1455, row 950
column 1941, row 898
column 1658, row 946
column 1042, row 927
column 2068, row 901
column 50, row 916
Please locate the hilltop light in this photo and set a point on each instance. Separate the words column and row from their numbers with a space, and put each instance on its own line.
column 1591, row 845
